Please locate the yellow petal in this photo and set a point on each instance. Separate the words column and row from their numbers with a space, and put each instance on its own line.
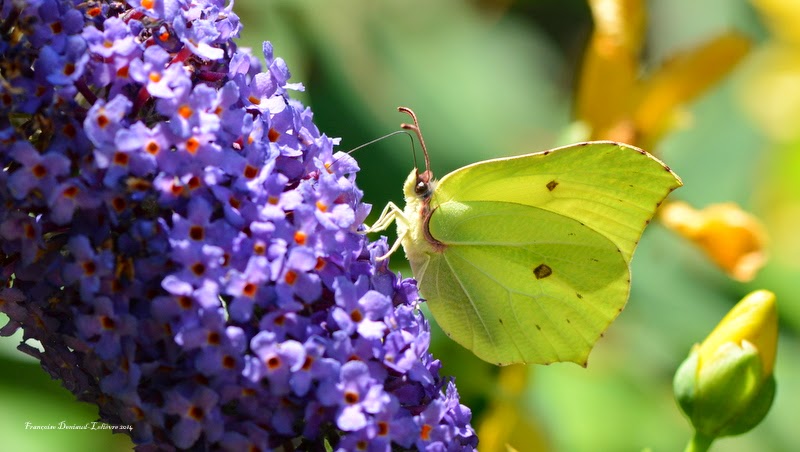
column 732, row 238
column 611, row 64
column 681, row 79
column 782, row 17
column 755, row 320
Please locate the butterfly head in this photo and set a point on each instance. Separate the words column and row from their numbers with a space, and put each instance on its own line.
column 419, row 186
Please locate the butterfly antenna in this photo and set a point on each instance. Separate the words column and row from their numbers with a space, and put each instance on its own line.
column 379, row 139
column 415, row 128
column 375, row 141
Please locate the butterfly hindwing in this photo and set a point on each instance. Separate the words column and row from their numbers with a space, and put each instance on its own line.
column 513, row 292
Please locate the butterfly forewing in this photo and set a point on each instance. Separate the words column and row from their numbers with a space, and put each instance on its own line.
column 610, row 187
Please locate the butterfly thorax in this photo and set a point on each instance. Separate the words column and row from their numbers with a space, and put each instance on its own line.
column 419, row 191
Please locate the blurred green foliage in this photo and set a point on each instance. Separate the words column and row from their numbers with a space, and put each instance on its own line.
column 489, row 78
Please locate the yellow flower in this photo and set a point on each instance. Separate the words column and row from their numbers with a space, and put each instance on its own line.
column 726, row 385
column 617, row 102
column 732, row 238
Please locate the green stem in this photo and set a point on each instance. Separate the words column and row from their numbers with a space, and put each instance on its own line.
column 699, row 443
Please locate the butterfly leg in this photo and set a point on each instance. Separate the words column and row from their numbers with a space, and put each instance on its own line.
column 394, row 247
column 389, row 214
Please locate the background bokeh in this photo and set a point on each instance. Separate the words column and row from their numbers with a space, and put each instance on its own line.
column 490, row 78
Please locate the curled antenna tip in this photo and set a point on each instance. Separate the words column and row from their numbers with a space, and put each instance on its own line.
column 416, row 129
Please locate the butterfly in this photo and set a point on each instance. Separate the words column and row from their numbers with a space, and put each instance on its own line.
column 526, row 259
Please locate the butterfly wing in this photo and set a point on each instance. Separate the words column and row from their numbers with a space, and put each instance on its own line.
column 521, row 284
column 536, row 263
column 611, row 187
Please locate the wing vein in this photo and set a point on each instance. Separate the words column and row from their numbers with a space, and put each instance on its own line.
column 471, row 301
column 513, row 311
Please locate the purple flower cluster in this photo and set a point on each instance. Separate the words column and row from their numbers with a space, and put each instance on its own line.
column 183, row 242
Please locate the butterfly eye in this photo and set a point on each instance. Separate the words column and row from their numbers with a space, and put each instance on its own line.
column 421, row 189
column 423, row 186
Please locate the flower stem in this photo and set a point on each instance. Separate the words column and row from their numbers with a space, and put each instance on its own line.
column 699, row 443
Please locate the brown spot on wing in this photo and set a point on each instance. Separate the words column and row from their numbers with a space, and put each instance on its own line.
column 542, row 271
column 552, row 185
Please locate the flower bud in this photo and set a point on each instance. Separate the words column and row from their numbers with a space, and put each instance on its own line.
column 726, row 385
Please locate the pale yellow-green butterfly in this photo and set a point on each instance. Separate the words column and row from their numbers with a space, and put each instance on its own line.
column 526, row 259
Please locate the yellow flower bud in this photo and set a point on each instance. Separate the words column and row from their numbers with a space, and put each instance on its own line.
column 726, row 385
column 755, row 320
column 732, row 238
